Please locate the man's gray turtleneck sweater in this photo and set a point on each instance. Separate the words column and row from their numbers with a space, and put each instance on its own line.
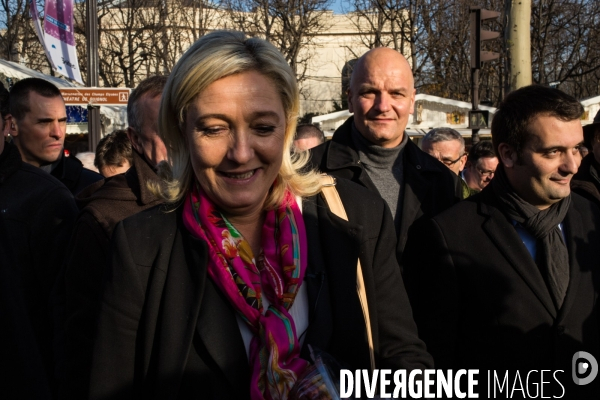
column 384, row 167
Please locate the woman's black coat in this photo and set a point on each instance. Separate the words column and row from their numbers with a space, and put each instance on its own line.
column 165, row 331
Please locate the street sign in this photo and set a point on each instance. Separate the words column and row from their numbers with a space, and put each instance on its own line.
column 95, row 96
column 479, row 119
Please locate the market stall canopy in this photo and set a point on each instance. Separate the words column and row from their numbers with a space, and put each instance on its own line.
column 112, row 117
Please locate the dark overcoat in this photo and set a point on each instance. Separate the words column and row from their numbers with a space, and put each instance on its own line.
column 586, row 181
column 37, row 212
column 103, row 204
column 480, row 300
column 429, row 186
column 166, row 332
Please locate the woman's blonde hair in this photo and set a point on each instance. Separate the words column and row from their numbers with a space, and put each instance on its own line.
column 213, row 57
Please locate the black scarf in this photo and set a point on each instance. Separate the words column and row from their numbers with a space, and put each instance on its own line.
column 553, row 257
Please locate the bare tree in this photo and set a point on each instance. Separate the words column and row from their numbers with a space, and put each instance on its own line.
column 140, row 38
column 15, row 14
column 18, row 40
column 290, row 25
column 146, row 37
column 565, row 50
column 184, row 22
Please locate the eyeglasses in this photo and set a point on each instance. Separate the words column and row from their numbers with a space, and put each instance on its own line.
column 449, row 163
column 486, row 174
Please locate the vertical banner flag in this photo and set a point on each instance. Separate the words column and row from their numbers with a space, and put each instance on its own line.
column 60, row 38
column 38, row 29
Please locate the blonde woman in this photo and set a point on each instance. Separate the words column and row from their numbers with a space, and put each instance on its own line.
column 218, row 294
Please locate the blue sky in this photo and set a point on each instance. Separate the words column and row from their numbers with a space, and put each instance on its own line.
column 336, row 6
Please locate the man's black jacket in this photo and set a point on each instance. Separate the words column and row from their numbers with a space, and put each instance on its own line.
column 38, row 213
column 73, row 175
column 586, row 181
column 429, row 186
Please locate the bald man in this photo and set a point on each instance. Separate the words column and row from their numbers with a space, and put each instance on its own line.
column 372, row 149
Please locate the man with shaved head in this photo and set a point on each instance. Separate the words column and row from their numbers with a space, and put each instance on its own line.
column 372, row 149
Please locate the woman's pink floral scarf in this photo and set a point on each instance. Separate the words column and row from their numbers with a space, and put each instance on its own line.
column 276, row 273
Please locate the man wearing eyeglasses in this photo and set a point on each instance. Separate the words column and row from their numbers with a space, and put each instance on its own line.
column 481, row 166
column 448, row 147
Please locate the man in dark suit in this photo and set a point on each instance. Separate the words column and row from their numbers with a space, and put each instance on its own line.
column 507, row 280
column 372, row 149
column 37, row 213
column 38, row 126
column 103, row 205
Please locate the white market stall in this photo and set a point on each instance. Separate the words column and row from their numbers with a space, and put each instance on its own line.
column 112, row 117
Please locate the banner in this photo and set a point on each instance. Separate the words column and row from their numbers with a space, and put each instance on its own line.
column 60, row 39
column 38, row 29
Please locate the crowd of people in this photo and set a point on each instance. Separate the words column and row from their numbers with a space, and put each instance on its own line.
column 214, row 256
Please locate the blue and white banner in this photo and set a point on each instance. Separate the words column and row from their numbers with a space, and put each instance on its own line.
column 38, row 29
column 59, row 38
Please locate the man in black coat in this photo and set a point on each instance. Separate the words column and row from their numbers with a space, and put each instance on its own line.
column 38, row 127
column 21, row 367
column 37, row 213
column 372, row 149
column 587, row 180
column 507, row 281
column 103, row 205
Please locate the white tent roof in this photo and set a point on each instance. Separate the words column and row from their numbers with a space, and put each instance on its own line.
column 117, row 115
column 14, row 70
column 455, row 103
column 590, row 101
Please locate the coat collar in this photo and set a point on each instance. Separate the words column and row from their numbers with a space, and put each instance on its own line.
column 138, row 177
column 342, row 153
column 504, row 236
column 67, row 170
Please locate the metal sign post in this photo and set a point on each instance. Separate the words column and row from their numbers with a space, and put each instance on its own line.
column 91, row 28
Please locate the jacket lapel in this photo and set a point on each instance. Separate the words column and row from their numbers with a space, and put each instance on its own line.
column 182, row 293
column 340, row 257
column 216, row 323
column 573, row 232
column 141, row 174
column 342, row 157
column 218, row 329
column 507, row 240
column 319, row 328
column 415, row 188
